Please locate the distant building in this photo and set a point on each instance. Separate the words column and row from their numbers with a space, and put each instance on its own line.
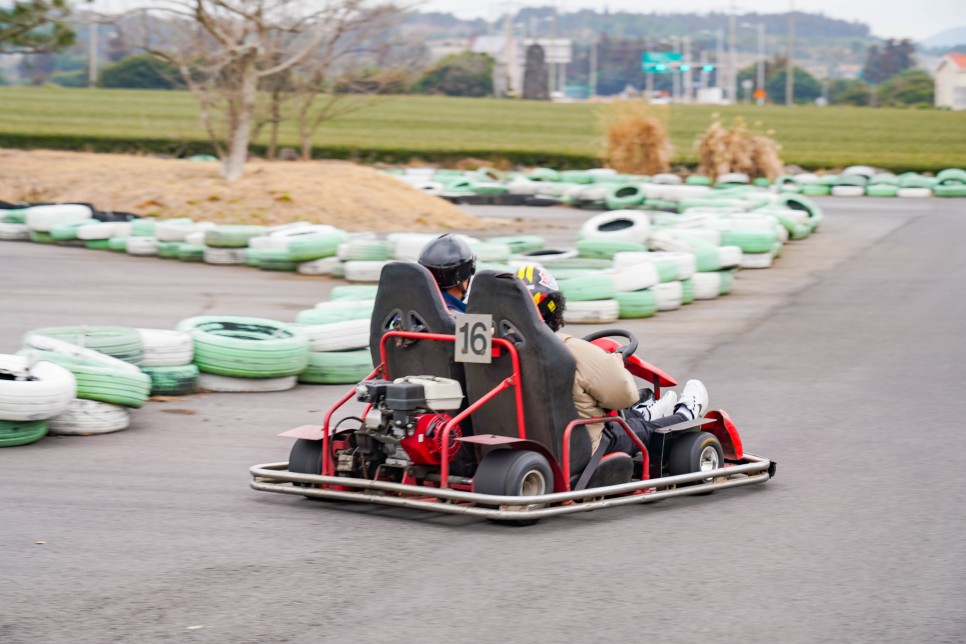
column 510, row 55
column 951, row 82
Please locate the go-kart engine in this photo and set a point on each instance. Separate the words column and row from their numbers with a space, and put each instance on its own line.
column 404, row 425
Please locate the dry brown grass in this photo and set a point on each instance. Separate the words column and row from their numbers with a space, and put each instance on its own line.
column 635, row 139
column 737, row 149
column 343, row 194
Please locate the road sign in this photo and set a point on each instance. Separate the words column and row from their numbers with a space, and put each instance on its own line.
column 759, row 94
column 660, row 62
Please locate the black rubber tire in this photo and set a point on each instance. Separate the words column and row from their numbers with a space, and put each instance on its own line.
column 305, row 458
column 514, row 472
column 687, row 449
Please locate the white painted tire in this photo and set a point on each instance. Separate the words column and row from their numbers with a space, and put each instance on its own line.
column 77, row 352
column 635, row 277
column 914, row 193
column 88, row 418
column 142, row 246
column 621, row 225
column 228, row 384
column 166, row 348
column 733, row 177
column 667, row 179
column 100, row 230
column 406, row 247
column 47, row 393
column 669, row 295
column 196, row 238
column 729, row 256
column 523, row 186
column 44, row 218
column 322, row 266
column 706, row 286
column 364, row 271
column 592, row 312
column 685, row 261
column 848, row 191
column 14, row 232
column 224, row 256
column 757, row 260
column 338, row 336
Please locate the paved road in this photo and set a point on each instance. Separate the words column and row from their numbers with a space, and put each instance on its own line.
column 843, row 363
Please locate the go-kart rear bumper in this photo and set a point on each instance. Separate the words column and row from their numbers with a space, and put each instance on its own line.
column 275, row 477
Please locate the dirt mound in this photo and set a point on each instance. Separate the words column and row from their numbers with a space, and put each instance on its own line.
column 334, row 192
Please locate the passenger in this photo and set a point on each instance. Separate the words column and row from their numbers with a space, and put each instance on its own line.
column 452, row 263
column 602, row 383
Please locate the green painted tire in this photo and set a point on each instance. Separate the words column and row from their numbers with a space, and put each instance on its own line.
column 118, row 244
column 121, row 342
column 521, row 243
column 191, row 253
column 698, row 180
column 98, row 244
column 952, row 176
column 914, row 180
column 14, row 433
column 950, row 190
column 246, row 347
column 816, row 189
column 748, row 239
column 142, row 228
column 636, row 304
column 881, row 190
column 621, row 197
column 39, row 237
column 337, row 367
column 68, row 231
column 16, row 216
column 588, row 287
column 304, row 248
column 179, row 380
column 169, row 250
column 687, row 291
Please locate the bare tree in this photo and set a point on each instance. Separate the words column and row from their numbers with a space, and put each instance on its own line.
column 224, row 48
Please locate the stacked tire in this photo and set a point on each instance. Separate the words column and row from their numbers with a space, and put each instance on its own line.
column 31, row 393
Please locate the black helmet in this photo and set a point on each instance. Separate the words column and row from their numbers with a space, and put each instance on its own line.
column 546, row 294
column 449, row 259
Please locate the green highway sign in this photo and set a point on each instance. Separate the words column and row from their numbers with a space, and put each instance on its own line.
column 660, row 62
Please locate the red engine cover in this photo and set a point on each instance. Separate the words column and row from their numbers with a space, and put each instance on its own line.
column 425, row 445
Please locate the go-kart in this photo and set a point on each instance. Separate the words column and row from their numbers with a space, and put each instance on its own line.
column 495, row 434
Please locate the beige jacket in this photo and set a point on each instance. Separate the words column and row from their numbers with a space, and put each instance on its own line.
column 601, row 383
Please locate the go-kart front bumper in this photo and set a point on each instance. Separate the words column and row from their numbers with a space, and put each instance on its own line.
column 275, row 477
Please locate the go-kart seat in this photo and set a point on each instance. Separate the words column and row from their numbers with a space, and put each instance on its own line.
column 547, row 373
column 408, row 299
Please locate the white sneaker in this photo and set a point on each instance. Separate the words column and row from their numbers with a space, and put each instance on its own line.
column 653, row 409
column 694, row 399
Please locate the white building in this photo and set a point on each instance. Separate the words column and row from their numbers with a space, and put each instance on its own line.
column 951, row 82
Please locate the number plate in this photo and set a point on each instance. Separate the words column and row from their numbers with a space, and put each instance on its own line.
column 474, row 338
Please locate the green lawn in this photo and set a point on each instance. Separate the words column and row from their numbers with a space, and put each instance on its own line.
column 440, row 127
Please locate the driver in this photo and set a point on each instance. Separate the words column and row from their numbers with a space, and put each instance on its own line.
column 601, row 381
column 452, row 263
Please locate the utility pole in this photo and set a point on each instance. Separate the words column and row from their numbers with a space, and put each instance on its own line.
column 593, row 68
column 676, row 76
column 790, row 74
column 92, row 71
column 733, row 57
column 761, row 62
column 719, row 60
column 688, row 83
column 552, row 76
column 648, row 78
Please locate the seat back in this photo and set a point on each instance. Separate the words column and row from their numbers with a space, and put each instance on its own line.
column 547, row 371
column 408, row 299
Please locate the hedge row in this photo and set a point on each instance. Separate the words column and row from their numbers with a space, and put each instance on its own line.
column 179, row 148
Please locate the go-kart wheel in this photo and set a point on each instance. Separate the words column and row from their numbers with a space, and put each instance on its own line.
column 627, row 350
column 305, row 458
column 695, row 452
column 514, row 472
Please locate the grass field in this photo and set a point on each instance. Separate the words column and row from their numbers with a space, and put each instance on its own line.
column 440, row 127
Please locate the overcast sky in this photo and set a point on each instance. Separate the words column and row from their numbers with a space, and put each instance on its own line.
column 887, row 18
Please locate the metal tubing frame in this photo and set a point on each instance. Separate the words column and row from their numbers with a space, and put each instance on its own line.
column 607, row 419
column 274, row 477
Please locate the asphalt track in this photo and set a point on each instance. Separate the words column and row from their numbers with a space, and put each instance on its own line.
column 844, row 363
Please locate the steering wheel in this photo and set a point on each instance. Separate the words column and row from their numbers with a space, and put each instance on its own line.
column 627, row 350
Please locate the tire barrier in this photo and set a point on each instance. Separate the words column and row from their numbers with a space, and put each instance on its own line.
column 337, row 367
column 89, row 418
column 592, row 312
column 32, row 390
column 178, row 380
column 166, row 348
column 14, row 433
column 338, row 336
column 119, row 342
column 229, row 384
column 620, row 226
column 246, row 347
